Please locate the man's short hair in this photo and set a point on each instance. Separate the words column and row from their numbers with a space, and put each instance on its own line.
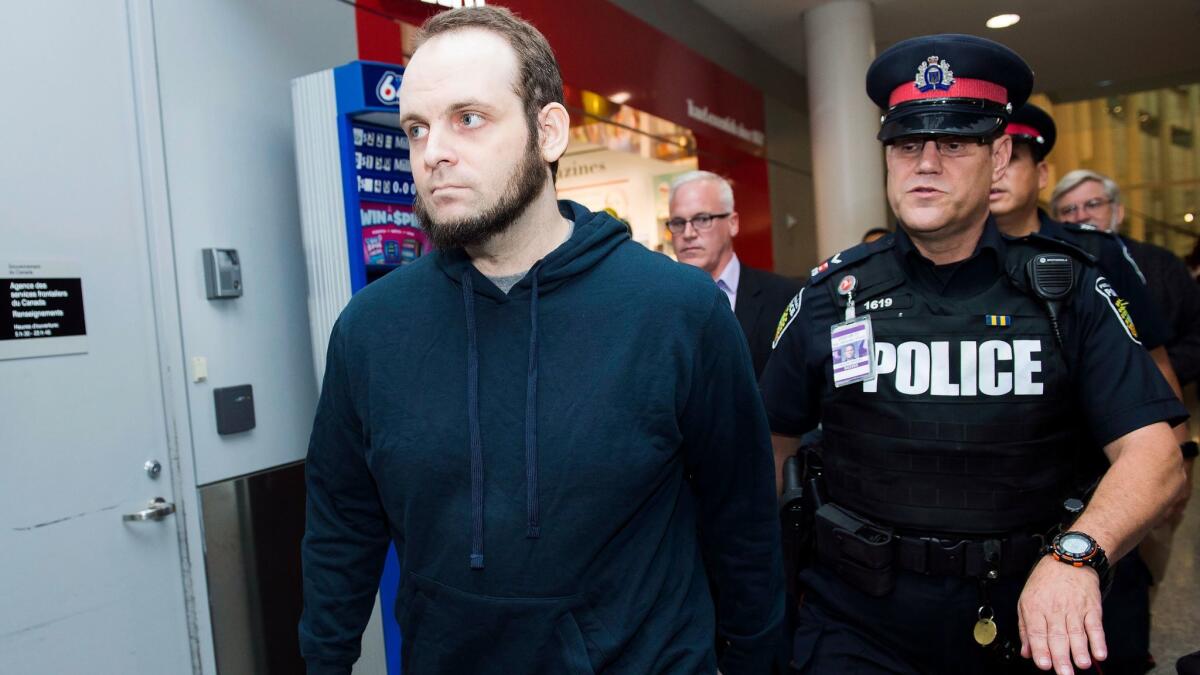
column 539, row 80
column 1078, row 177
column 724, row 189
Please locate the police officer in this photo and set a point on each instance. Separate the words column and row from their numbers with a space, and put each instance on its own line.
column 949, row 450
column 1014, row 203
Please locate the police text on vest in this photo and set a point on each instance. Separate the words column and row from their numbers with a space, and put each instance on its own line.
column 988, row 368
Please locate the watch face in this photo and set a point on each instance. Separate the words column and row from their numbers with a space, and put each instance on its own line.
column 1075, row 545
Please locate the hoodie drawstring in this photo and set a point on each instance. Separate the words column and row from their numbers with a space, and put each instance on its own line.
column 473, row 424
column 533, row 526
column 534, row 529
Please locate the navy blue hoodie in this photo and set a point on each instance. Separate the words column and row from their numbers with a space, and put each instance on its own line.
column 550, row 465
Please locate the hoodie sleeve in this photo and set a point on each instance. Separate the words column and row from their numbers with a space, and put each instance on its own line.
column 728, row 453
column 345, row 533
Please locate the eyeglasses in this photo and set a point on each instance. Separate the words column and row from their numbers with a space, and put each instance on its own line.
column 700, row 221
column 947, row 146
column 1090, row 206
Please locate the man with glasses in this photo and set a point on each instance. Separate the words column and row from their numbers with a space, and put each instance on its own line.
column 1014, row 203
column 1084, row 196
column 940, row 531
column 703, row 224
column 1093, row 200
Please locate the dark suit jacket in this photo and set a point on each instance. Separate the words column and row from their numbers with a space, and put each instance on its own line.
column 761, row 299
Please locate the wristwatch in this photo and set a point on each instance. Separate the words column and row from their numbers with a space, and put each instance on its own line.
column 1078, row 550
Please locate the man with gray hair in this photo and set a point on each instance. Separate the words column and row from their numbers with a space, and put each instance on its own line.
column 703, row 224
column 1089, row 198
column 1084, row 196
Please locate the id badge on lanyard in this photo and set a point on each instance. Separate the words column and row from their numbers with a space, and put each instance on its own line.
column 852, row 342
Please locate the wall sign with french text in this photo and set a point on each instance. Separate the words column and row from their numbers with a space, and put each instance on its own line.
column 43, row 315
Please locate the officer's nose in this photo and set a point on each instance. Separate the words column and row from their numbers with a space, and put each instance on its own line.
column 929, row 161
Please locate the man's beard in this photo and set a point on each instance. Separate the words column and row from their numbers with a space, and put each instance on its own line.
column 524, row 185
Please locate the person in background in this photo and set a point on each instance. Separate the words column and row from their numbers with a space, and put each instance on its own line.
column 1091, row 199
column 1014, row 204
column 1087, row 197
column 703, row 224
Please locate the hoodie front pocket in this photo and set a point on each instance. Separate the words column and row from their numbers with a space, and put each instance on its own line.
column 410, row 609
column 574, row 649
column 448, row 630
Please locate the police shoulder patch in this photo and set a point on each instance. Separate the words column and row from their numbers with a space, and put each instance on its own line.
column 789, row 315
column 1119, row 306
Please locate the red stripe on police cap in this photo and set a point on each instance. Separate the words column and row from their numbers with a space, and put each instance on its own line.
column 1018, row 129
column 962, row 87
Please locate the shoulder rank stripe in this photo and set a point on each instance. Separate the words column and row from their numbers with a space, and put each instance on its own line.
column 850, row 255
column 997, row 320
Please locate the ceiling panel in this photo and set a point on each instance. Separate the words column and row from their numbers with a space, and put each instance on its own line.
column 1077, row 48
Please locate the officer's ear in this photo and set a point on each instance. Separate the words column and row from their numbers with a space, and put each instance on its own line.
column 1043, row 171
column 1001, row 156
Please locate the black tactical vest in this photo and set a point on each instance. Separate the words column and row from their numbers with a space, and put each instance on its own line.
column 970, row 426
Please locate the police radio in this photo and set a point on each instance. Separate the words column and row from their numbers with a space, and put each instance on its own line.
column 1052, row 276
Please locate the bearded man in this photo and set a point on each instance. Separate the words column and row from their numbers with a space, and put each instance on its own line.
column 527, row 414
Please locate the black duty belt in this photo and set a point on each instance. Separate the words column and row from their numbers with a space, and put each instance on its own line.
column 1012, row 556
column 868, row 554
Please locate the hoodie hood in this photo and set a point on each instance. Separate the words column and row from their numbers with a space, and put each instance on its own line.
column 595, row 235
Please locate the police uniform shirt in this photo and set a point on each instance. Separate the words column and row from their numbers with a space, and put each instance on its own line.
column 1117, row 386
column 1116, row 263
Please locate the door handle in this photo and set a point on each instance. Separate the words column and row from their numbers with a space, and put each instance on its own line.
column 156, row 510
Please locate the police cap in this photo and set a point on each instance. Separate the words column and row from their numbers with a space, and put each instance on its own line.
column 947, row 84
column 1030, row 124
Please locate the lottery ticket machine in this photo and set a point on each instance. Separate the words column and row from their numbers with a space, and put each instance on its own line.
column 356, row 196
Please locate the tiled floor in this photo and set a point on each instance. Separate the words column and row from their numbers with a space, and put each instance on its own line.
column 1175, row 630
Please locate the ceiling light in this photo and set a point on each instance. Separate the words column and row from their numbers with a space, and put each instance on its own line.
column 1188, row 217
column 1003, row 20
column 621, row 97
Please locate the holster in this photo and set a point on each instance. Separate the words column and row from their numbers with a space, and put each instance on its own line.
column 796, row 519
column 803, row 494
column 862, row 553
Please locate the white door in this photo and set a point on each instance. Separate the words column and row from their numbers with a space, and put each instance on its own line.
column 81, row 589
